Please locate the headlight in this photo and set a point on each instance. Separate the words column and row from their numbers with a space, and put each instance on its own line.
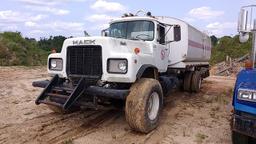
column 246, row 95
column 117, row 66
column 122, row 66
column 55, row 64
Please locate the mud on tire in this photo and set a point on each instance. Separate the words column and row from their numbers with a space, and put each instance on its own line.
column 141, row 110
column 187, row 81
column 196, row 81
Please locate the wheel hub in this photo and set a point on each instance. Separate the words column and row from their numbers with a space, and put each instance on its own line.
column 153, row 106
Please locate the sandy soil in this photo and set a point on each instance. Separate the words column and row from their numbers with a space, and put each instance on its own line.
column 186, row 118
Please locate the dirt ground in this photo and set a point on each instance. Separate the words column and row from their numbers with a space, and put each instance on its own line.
column 201, row 118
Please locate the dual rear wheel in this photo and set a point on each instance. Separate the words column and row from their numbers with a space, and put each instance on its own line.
column 192, row 81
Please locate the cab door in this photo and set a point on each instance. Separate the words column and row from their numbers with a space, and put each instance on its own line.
column 161, row 50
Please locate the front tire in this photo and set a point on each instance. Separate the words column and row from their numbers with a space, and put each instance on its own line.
column 144, row 105
column 238, row 138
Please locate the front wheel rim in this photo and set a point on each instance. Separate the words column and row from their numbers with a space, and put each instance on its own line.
column 153, row 106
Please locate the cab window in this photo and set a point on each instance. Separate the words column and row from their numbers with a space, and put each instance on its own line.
column 133, row 30
column 161, row 34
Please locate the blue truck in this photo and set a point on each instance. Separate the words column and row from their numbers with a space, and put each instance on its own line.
column 244, row 102
column 243, row 123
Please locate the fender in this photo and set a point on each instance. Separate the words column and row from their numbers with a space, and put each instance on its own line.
column 245, row 79
column 143, row 68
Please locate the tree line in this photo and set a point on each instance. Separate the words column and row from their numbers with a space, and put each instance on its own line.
column 228, row 46
column 17, row 50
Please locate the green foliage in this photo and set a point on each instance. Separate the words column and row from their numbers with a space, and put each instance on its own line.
column 16, row 50
column 229, row 46
column 214, row 40
column 52, row 43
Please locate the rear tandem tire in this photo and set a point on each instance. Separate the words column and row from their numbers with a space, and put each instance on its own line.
column 187, row 81
column 238, row 138
column 196, row 81
column 144, row 105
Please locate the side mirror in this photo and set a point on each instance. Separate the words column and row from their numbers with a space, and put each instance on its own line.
column 243, row 21
column 176, row 33
column 242, row 27
column 105, row 32
column 243, row 37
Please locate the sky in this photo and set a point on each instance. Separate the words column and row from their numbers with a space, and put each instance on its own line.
column 44, row 18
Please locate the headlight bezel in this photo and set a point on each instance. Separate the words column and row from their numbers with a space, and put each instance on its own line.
column 119, row 71
column 59, row 64
column 248, row 92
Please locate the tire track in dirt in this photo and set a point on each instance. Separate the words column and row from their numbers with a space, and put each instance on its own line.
column 62, row 130
column 186, row 118
column 54, row 128
column 36, row 129
column 93, row 124
column 34, row 124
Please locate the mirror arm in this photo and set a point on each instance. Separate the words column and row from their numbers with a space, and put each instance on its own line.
column 167, row 42
column 168, row 30
column 103, row 32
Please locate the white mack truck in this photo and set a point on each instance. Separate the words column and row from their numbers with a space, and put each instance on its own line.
column 135, row 62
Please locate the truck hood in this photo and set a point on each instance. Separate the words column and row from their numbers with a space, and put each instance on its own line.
column 111, row 44
column 246, row 79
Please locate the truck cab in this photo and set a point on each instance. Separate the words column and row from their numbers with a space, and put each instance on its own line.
column 130, row 46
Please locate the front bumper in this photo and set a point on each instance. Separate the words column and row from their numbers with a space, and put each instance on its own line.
column 244, row 123
column 93, row 90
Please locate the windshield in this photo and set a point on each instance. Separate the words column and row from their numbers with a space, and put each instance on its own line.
column 133, row 30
